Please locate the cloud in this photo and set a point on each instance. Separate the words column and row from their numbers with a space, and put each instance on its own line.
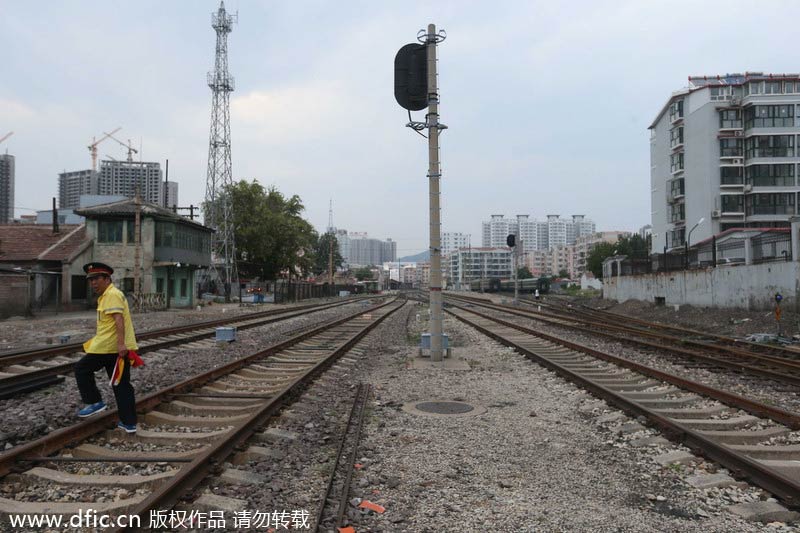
column 290, row 114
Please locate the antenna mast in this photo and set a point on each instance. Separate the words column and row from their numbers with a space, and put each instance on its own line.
column 218, row 213
column 331, row 234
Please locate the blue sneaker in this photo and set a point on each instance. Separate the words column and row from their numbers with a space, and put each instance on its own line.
column 92, row 409
column 129, row 428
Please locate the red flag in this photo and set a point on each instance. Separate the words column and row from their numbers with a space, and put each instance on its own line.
column 119, row 367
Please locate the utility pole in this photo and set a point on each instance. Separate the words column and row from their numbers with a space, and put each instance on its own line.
column 412, row 71
column 330, row 249
column 434, row 178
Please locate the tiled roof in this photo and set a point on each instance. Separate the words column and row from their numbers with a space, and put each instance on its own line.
column 127, row 208
column 31, row 242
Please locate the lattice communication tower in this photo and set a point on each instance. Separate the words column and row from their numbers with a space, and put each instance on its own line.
column 218, row 213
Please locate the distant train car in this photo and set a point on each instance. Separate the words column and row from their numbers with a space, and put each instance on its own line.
column 527, row 286
column 486, row 285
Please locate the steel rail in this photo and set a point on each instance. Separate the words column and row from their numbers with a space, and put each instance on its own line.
column 168, row 494
column 28, row 381
column 23, row 356
column 777, row 374
column 13, row 459
column 781, row 416
column 781, row 351
column 767, row 478
column 356, row 419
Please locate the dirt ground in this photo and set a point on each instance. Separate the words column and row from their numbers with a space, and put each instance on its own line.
column 730, row 322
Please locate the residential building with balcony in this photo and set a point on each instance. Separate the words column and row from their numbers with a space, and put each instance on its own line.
column 724, row 151
column 453, row 241
column 535, row 234
column 467, row 264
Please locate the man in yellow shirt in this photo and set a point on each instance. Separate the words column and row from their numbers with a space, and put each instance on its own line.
column 114, row 338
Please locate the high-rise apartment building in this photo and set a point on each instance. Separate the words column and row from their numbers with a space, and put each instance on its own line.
column 536, row 235
column 118, row 178
column 71, row 185
column 123, row 178
column 467, row 265
column 7, row 176
column 453, row 241
column 358, row 249
column 724, row 154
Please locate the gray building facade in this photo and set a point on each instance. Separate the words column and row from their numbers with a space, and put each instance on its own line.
column 123, row 177
column 7, row 176
column 723, row 154
column 71, row 185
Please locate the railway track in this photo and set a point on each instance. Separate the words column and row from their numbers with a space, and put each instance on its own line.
column 222, row 410
column 737, row 359
column 691, row 336
column 24, row 371
column 725, row 430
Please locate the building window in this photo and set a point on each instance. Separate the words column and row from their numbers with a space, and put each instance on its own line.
column 770, row 175
column 772, row 87
column 676, row 162
column 676, row 137
column 730, row 147
column 755, row 87
column 676, row 110
column 732, row 203
column 109, row 231
column 184, row 287
column 164, row 234
column 769, row 116
column 676, row 237
column 731, row 175
column 677, row 213
column 676, row 187
column 770, row 146
column 730, row 118
column 770, row 204
column 720, row 93
column 159, row 285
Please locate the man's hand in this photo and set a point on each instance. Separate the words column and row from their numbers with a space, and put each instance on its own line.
column 122, row 350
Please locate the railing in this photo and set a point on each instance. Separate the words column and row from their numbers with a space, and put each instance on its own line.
column 148, row 301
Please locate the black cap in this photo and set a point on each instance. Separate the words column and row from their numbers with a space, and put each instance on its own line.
column 97, row 269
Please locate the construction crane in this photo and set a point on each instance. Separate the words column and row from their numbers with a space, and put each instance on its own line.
column 6, row 136
column 93, row 147
column 131, row 149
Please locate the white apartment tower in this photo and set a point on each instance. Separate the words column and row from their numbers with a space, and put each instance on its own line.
column 453, row 241
column 536, row 235
column 724, row 154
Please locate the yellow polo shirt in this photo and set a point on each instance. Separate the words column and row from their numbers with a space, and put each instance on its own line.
column 111, row 302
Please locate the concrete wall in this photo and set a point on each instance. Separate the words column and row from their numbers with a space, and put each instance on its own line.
column 14, row 295
column 740, row 286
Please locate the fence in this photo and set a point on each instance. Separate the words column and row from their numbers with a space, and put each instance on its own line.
column 765, row 247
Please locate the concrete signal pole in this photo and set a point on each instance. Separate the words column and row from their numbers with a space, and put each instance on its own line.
column 434, row 176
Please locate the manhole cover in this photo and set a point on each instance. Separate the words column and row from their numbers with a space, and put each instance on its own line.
column 443, row 408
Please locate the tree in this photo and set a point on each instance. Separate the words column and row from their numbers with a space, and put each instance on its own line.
column 524, row 273
column 563, row 273
column 600, row 252
column 363, row 273
column 322, row 252
column 271, row 236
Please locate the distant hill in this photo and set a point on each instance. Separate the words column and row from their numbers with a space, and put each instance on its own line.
column 422, row 256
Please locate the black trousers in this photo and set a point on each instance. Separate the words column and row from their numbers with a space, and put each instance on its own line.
column 84, row 375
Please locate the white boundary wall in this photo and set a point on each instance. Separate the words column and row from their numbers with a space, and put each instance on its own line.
column 740, row 286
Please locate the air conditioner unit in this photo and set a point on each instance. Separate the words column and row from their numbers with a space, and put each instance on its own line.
column 737, row 162
column 748, row 187
column 738, row 133
column 716, row 213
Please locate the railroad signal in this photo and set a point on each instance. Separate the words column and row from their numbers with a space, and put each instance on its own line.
column 511, row 240
column 411, row 77
column 778, row 297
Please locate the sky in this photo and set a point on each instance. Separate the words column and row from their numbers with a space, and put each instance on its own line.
column 547, row 103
